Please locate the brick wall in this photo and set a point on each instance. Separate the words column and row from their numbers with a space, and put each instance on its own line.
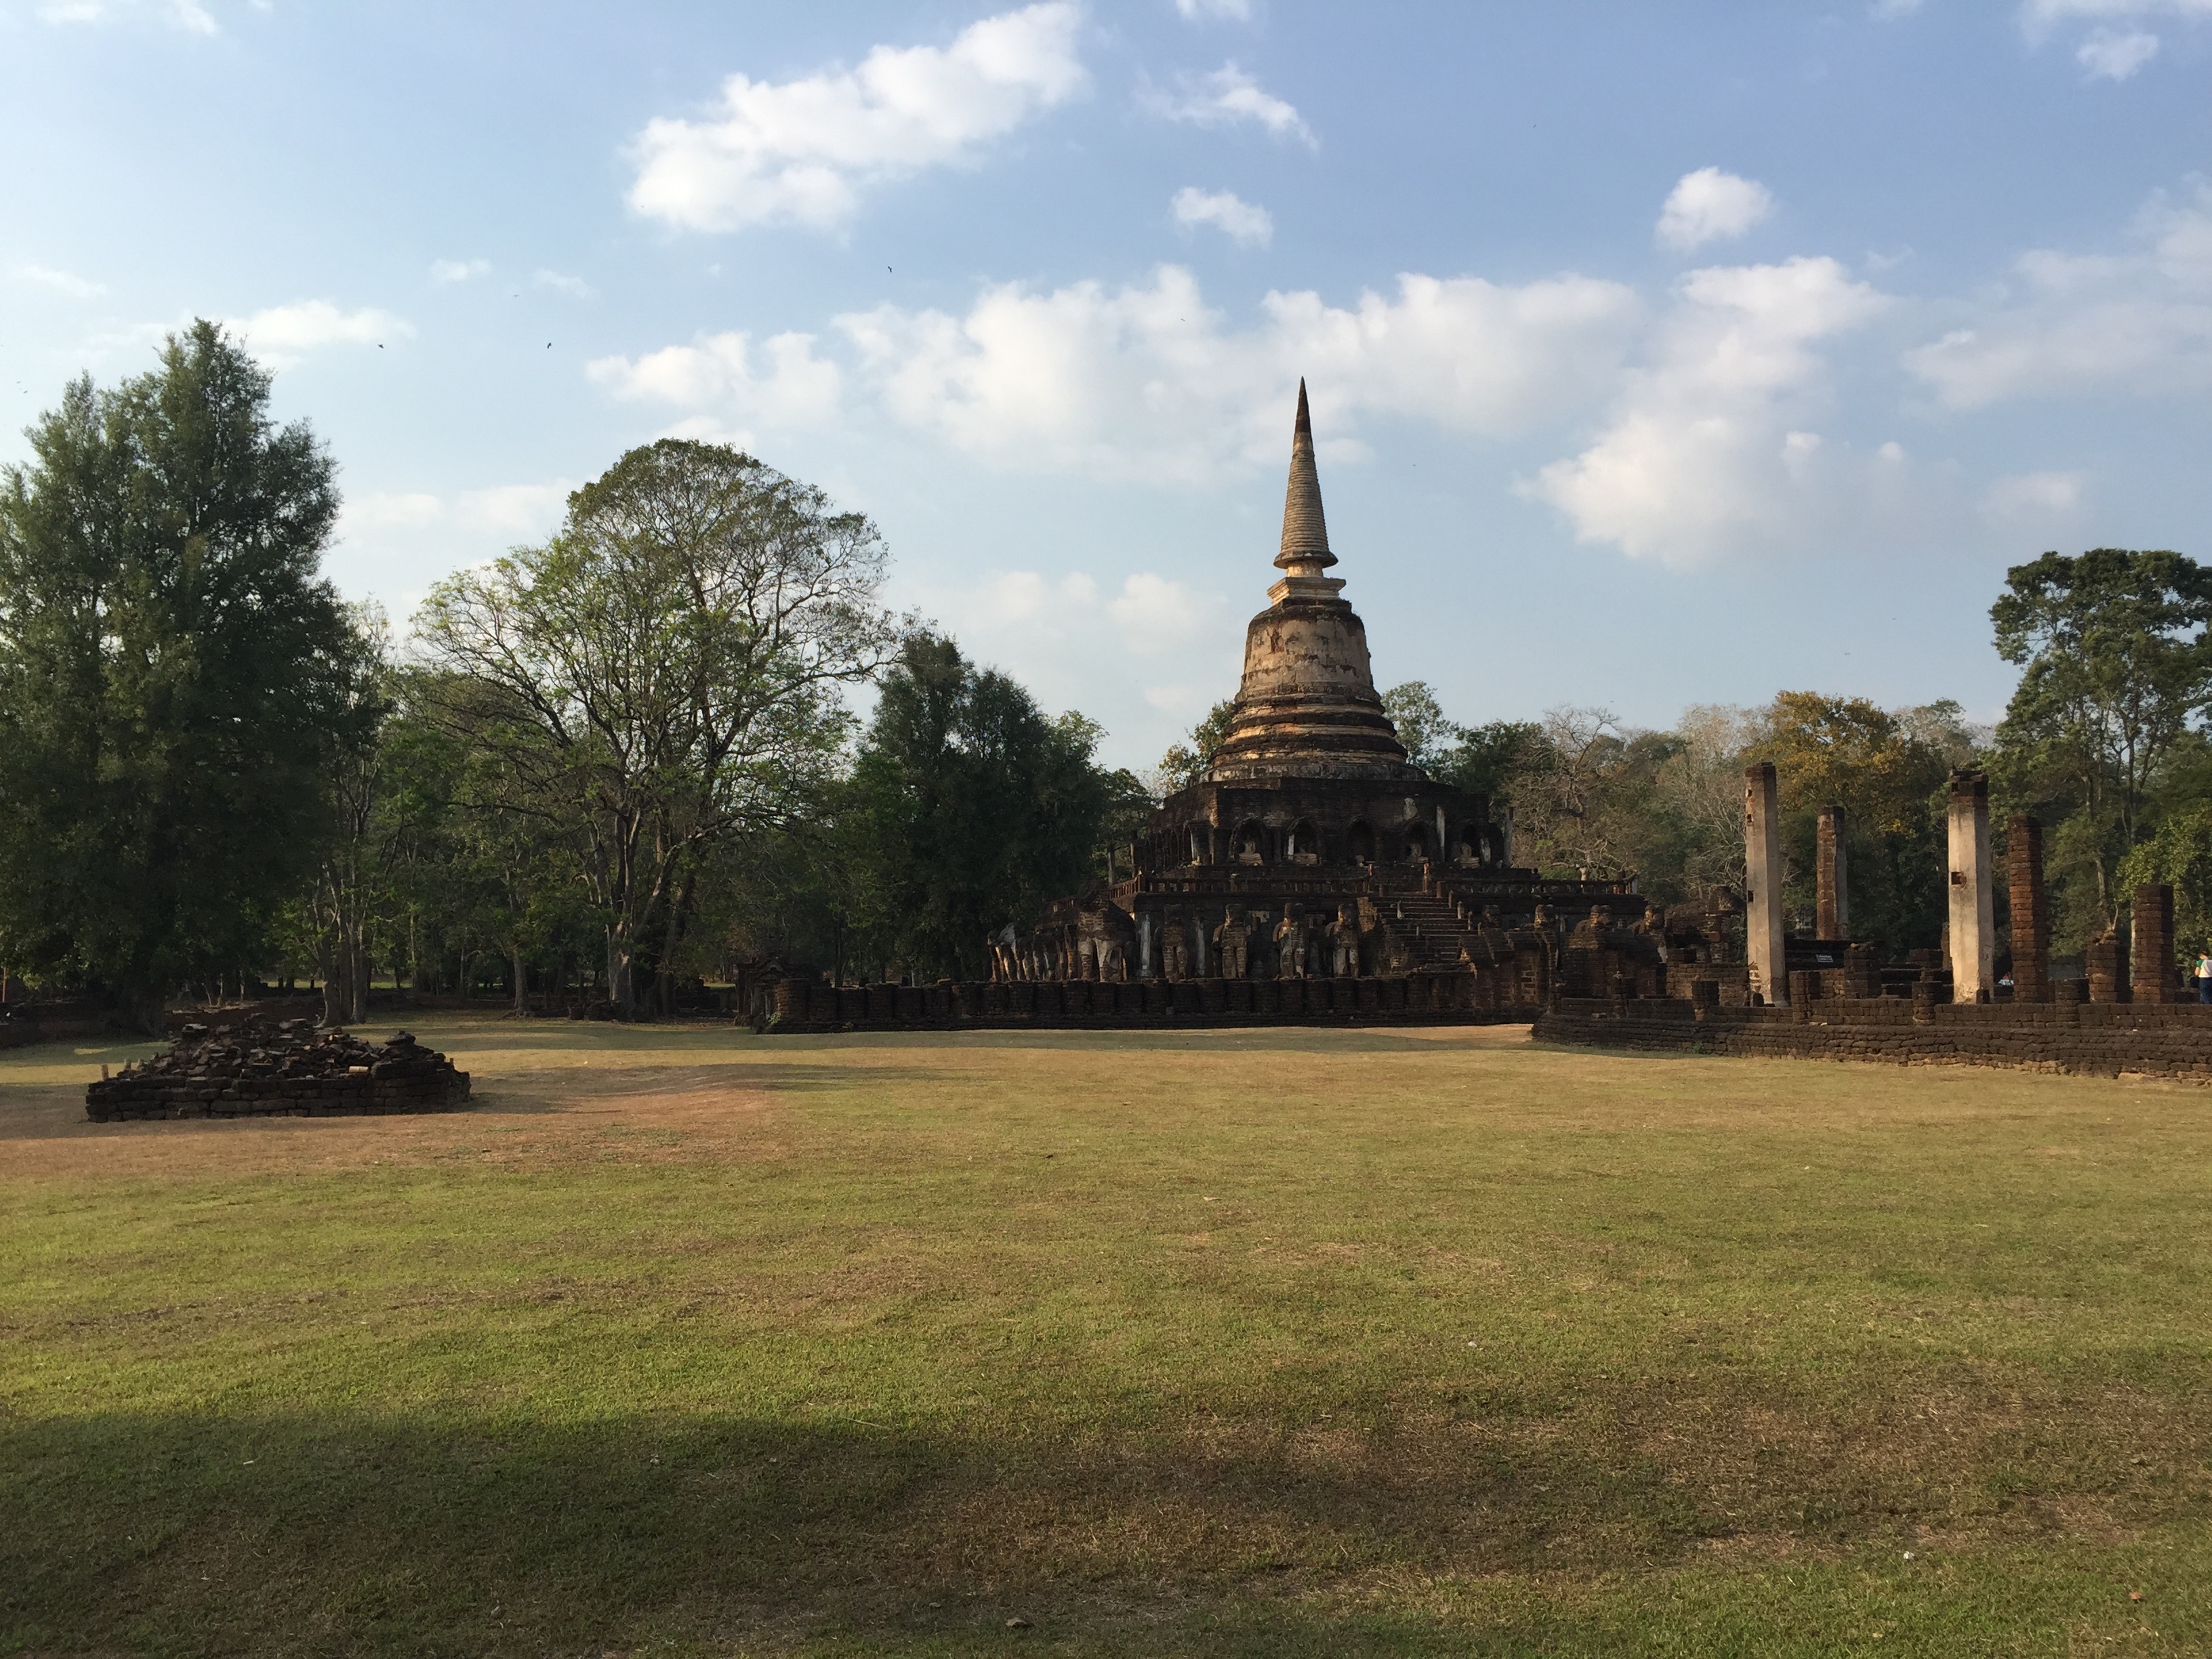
column 1078, row 1004
column 390, row 1086
column 2088, row 1039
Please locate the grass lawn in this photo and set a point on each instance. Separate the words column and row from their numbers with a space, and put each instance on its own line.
column 1307, row 1342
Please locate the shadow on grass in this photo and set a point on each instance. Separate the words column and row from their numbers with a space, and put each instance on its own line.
column 202, row 1534
column 197, row 1534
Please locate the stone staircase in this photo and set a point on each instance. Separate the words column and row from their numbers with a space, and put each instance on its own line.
column 1427, row 925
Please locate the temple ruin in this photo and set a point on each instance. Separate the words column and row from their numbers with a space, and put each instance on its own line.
column 1312, row 849
column 1313, row 873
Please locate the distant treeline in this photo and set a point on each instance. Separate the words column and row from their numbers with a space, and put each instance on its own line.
column 602, row 768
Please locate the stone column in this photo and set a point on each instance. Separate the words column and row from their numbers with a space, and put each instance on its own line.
column 1834, row 907
column 2106, row 962
column 2031, row 911
column 1762, row 862
column 1974, row 901
column 2150, row 952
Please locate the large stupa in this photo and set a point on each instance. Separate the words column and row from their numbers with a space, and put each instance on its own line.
column 1308, row 707
column 1310, row 847
column 1310, row 771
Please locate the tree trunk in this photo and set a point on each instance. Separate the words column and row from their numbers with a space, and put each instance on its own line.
column 622, row 989
column 521, row 985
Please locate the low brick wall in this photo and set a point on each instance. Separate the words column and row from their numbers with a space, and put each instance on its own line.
column 1079, row 1005
column 2096, row 1039
column 22, row 1023
column 391, row 1086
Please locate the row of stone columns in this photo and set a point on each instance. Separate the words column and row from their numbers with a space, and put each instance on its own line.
column 1972, row 906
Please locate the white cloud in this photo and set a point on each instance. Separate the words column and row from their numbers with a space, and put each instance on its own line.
column 1067, row 638
column 2040, row 17
column 782, row 383
column 1707, row 450
column 2134, row 323
column 1226, row 98
column 1147, row 381
column 1242, row 221
column 1203, row 11
column 281, row 335
column 1158, row 615
column 61, row 281
column 514, row 511
column 1710, row 206
column 187, row 15
column 803, row 151
column 2030, row 500
column 458, row 270
column 575, row 287
column 2114, row 55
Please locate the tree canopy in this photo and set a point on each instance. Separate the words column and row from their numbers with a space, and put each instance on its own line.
column 664, row 671
column 974, row 808
column 173, row 675
column 2115, row 664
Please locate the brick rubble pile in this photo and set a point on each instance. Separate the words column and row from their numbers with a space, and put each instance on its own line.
column 281, row 1069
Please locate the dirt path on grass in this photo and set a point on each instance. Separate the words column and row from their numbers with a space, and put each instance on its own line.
column 538, row 1098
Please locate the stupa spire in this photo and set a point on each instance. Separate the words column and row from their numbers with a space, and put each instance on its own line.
column 1305, row 531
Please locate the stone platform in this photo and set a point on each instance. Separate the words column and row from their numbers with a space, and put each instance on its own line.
column 2096, row 1039
column 1150, row 1004
column 283, row 1068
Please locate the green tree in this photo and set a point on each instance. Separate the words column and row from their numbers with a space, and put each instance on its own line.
column 173, row 674
column 2179, row 855
column 1187, row 761
column 977, row 808
column 1429, row 738
column 1886, row 770
column 1487, row 760
column 663, row 673
column 2115, row 662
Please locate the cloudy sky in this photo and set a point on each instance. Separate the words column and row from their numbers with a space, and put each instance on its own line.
column 1659, row 355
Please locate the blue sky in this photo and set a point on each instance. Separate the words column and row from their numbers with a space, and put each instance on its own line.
column 1659, row 355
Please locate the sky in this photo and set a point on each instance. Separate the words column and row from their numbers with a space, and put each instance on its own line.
column 1659, row 355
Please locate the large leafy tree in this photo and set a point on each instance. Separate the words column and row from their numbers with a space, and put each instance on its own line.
column 975, row 809
column 351, row 884
column 2115, row 664
column 173, row 670
column 1886, row 770
column 663, row 673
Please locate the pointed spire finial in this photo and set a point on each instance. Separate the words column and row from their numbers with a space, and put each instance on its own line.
column 1305, row 530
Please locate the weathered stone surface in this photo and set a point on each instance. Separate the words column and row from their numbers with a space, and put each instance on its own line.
column 2150, row 950
column 803, row 1005
column 1831, row 907
column 279, row 1068
column 2031, row 910
column 2088, row 1039
column 1764, row 948
column 1308, row 706
column 1973, row 929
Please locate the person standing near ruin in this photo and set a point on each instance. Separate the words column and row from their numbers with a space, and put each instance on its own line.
column 2204, row 974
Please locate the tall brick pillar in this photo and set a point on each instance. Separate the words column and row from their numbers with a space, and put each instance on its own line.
column 2150, row 953
column 1762, row 862
column 2031, row 911
column 1973, row 902
column 1832, row 907
column 2105, row 962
